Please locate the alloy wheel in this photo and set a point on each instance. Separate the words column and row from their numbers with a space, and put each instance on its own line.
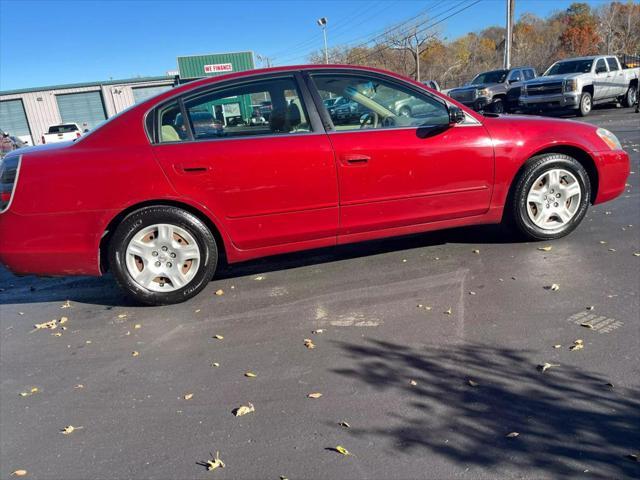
column 553, row 199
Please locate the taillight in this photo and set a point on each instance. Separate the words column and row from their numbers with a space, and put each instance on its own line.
column 43, row 142
column 9, row 166
column 78, row 134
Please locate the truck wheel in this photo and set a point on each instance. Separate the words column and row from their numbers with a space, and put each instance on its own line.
column 550, row 198
column 585, row 104
column 630, row 97
column 161, row 255
column 497, row 106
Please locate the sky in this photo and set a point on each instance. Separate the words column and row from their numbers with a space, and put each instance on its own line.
column 50, row 42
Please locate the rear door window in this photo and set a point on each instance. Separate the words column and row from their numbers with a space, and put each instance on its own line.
column 613, row 64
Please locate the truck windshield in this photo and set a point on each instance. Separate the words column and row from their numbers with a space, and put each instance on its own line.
column 496, row 76
column 571, row 66
column 63, row 128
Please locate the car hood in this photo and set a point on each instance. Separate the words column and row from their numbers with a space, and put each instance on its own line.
column 473, row 87
column 554, row 78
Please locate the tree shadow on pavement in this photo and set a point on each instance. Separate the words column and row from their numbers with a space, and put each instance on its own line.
column 568, row 420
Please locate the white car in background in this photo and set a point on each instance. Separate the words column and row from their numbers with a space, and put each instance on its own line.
column 63, row 132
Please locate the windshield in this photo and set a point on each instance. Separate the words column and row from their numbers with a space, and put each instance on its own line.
column 63, row 128
column 571, row 66
column 497, row 76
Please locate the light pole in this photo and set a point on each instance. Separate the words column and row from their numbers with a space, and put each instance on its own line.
column 322, row 23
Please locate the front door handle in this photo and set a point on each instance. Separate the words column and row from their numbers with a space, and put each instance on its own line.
column 355, row 159
column 190, row 168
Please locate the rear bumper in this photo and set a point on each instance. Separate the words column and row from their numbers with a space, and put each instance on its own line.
column 55, row 244
column 613, row 171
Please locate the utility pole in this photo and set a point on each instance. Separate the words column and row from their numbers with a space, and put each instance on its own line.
column 322, row 23
column 417, row 54
column 508, row 40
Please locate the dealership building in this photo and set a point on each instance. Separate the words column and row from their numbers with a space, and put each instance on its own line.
column 28, row 113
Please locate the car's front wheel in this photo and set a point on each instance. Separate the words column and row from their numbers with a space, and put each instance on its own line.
column 162, row 255
column 586, row 104
column 551, row 196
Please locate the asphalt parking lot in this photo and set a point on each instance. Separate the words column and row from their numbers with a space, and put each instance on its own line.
column 427, row 354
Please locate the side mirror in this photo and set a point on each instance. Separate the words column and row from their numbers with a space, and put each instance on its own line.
column 456, row 115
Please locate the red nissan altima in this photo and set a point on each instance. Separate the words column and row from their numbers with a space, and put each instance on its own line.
column 160, row 192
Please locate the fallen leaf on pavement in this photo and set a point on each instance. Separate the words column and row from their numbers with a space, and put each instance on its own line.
column 602, row 242
column 63, row 320
column 320, row 330
column 137, row 325
column 123, row 315
column 345, row 424
column 476, row 251
column 57, row 334
column 557, row 346
column 577, row 345
column 472, row 383
column 135, row 353
column 512, row 435
column 218, row 337
column 546, row 366
column 188, row 396
column 66, row 304
column 342, row 450
column 69, row 429
column 309, row 343
column 219, row 292
column 215, row 463
column 545, row 249
column 79, row 386
column 258, row 278
column 590, row 308
column 250, row 375
column 553, row 287
column 413, row 383
column 634, row 456
column 19, row 473
column 636, row 254
column 314, row 395
column 243, row 410
column 448, row 312
column 52, row 325
column 215, row 364
column 586, row 325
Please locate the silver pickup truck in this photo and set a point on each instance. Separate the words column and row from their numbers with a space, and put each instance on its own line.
column 579, row 83
column 496, row 91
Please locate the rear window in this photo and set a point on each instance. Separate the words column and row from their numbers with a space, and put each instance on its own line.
column 63, row 128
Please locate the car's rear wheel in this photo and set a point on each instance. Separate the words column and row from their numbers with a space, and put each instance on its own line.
column 630, row 97
column 551, row 196
column 162, row 255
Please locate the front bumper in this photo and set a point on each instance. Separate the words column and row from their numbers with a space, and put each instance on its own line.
column 613, row 171
column 556, row 100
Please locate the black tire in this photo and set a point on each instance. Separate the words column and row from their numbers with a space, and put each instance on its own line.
column 139, row 219
column 497, row 106
column 629, row 99
column 586, row 104
column 517, row 208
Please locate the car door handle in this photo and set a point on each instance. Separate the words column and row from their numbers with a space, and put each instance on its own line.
column 190, row 168
column 355, row 159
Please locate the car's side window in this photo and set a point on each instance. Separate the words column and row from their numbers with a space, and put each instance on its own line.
column 169, row 130
column 601, row 67
column 265, row 107
column 515, row 76
column 613, row 64
column 370, row 102
column 528, row 74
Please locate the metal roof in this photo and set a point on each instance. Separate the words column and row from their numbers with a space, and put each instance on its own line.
column 86, row 84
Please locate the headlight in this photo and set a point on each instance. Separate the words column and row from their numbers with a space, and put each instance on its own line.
column 609, row 138
column 571, row 85
column 483, row 92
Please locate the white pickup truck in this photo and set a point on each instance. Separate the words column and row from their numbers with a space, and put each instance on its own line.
column 579, row 83
column 62, row 133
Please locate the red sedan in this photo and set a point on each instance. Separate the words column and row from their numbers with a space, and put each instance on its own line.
column 161, row 191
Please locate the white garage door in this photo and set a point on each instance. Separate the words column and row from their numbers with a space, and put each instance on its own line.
column 86, row 109
column 13, row 120
column 140, row 94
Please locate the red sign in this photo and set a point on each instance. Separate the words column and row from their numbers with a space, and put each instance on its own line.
column 218, row 67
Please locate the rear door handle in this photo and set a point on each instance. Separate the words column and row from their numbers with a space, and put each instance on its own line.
column 355, row 159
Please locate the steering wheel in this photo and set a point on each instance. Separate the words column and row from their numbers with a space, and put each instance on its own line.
column 371, row 118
